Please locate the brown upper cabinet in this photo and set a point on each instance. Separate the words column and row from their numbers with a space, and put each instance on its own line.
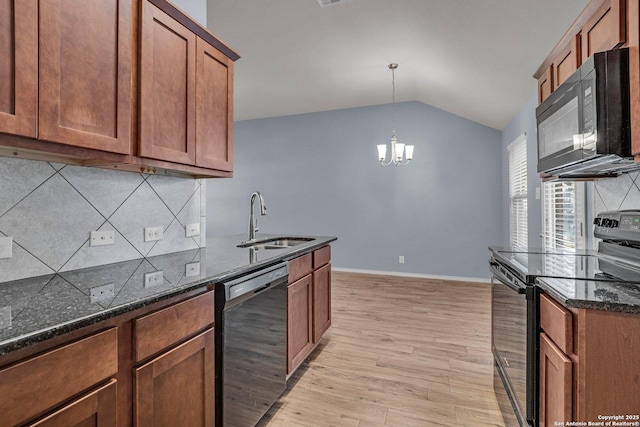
column 167, row 88
column 195, row 129
column 545, row 84
column 601, row 26
column 214, row 108
column 18, row 66
column 72, row 88
column 605, row 29
column 566, row 62
column 65, row 73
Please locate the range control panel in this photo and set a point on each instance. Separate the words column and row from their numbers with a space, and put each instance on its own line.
column 618, row 225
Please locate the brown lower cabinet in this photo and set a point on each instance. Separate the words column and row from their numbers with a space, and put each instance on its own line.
column 308, row 305
column 589, row 364
column 176, row 388
column 321, row 301
column 97, row 408
column 555, row 383
column 56, row 377
column 153, row 366
column 299, row 321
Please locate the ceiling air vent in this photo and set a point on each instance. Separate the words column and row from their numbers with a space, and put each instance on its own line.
column 325, row 3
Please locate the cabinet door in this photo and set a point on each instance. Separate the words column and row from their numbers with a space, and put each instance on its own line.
column 176, row 388
column 545, row 85
column 57, row 376
column 567, row 62
column 18, row 66
column 85, row 73
column 167, row 88
column 605, row 30
column 321, row 301
column 299, row 328
column 95, row 409
column 555, row 384
column 214, row 108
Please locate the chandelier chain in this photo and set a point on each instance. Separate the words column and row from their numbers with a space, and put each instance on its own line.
column 393, row 97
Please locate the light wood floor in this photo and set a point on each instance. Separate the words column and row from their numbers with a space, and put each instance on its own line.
column 400, row 352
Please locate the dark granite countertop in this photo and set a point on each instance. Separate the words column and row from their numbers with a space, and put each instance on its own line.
column 36, row 309
column 599, row 295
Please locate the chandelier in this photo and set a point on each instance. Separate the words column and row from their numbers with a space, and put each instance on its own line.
column 401, row 154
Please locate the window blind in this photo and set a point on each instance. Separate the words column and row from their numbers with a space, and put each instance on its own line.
column 518, row 192
column 560, row 219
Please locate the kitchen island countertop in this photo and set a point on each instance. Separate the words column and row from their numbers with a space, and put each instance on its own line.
column 593, row 294
column 43, row 307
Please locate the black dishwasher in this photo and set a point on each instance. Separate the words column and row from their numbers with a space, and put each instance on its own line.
column 251, row 345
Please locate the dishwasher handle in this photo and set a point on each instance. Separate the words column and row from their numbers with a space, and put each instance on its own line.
column 256, row 282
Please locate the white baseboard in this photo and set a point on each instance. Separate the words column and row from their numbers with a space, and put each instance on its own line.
column 421, row 276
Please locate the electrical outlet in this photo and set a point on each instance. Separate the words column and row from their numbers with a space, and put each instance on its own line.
column 5, row 317
column 6, row 247
column 193, row 229
column 401, row 259
column 101, row 293
column 151, row 234
column 192, row 269
column 102, row 238
column 153, row 279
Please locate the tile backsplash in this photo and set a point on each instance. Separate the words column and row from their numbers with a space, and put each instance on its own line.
column 612, row 194
column 50, row 209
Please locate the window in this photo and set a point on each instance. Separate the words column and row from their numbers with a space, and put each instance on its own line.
column 563, row 213
column 518, row 192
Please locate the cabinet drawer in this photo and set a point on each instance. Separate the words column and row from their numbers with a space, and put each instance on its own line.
column 98, row 405
column 159, row 330
column 557, row 322
column 56, row 376
column 300, row 267
column 321, row 257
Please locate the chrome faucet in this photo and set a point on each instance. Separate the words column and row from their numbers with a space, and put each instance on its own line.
column 253, row 222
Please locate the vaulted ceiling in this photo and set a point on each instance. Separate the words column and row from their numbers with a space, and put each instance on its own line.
column 473, row 58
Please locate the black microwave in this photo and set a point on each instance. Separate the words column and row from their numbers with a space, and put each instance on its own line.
column 584, row 125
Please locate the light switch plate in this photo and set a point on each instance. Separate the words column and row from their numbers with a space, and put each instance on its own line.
column 6, row 247
column 101, row 293
column 193, row 229
column 102, row 238
column 153, row 279
column 192, row 269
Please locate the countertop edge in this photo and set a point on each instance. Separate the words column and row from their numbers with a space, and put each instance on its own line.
column 45, row 334
column 584, row 304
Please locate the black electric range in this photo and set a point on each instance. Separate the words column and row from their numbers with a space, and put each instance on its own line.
column 515, row 300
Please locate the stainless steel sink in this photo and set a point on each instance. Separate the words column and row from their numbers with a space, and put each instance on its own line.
column 275, row 242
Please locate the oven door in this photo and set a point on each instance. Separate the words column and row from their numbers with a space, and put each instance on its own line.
column 514, row 347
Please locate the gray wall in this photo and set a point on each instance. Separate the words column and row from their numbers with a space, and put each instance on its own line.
column 319, row 175
column 524, row 121
column 197, row 9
